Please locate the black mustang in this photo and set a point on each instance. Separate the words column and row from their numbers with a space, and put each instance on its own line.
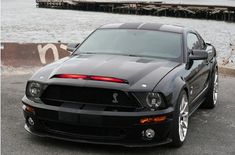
column 130, row 84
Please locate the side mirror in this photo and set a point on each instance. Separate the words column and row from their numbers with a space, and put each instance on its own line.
column 72, row 46
column 198, row 55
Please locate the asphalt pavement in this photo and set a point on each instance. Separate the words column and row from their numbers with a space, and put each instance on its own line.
column 210, row 131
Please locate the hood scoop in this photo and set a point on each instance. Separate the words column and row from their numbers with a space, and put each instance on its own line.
column 90, row 77
column 84, row 56
column 144, row 60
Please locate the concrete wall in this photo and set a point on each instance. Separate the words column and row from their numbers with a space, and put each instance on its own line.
column 32, row 54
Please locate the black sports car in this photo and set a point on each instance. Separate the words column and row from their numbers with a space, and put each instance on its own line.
column 130, row 84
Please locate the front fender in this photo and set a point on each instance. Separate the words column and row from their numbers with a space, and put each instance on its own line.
column 172, row 85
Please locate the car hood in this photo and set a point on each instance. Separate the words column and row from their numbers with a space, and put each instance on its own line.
column 141, row 73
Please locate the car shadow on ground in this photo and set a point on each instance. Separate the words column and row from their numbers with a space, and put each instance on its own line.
column 94, row 148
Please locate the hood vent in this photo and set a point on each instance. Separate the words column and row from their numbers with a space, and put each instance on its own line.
column 144, row 60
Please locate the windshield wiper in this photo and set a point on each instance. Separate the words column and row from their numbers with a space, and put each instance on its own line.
column 83, row 53
column 133, row 55
column 124, row 54
column 88, row 53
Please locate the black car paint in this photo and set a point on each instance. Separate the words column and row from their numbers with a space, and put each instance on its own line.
column 135, row 71
column 164, row 76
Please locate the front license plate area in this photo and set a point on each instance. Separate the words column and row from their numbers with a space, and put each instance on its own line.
column 90, row 120
column 67, row 117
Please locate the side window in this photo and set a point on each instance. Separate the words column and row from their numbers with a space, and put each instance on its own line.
column 193, row 41
column 202, row 42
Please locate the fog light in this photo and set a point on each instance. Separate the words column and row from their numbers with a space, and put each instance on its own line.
column 149, row 134
column 30, row 121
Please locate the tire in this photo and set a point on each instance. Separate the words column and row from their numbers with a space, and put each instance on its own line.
column 180, row 122
column 212, row 94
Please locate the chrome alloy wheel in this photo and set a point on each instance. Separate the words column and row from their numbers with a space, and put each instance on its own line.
column 215, row 89
column 183, row 118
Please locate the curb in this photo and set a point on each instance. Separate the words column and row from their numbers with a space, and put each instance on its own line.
column 227, row 70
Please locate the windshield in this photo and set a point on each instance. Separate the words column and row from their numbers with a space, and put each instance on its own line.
column 133, row 43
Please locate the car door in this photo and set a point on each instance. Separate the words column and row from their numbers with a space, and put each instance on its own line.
column 199, row 69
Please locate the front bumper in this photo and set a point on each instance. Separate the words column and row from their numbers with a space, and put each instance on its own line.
column 99, row 127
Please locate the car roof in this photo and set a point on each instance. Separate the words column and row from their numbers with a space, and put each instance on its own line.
column 146, row 26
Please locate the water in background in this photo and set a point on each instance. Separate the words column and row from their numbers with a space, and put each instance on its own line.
column 22, row 21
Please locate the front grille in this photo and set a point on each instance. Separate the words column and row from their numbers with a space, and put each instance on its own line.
column 86, row 131
column 57, row 95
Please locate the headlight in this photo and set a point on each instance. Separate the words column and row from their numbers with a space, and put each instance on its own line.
column 33, row 90
column 154, row 101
